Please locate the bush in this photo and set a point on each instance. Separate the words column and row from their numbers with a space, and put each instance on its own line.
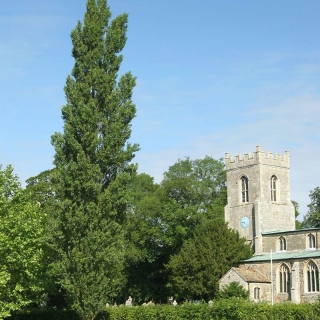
column 45, row 314
column 223, row 309
column 233, row 289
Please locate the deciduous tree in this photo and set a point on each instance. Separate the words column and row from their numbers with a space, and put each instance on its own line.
column 92, row 164
column 41, row 188
column 164, row 216
column 192, row 190
column 296, row 213
column 312, row 218
column 145, row 242
column 21, row 246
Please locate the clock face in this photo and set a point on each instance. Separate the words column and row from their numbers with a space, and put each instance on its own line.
column 245, row 222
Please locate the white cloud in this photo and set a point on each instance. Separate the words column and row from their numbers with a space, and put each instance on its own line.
column 292, row 124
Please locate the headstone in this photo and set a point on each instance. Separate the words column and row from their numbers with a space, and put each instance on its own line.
column 129, row 302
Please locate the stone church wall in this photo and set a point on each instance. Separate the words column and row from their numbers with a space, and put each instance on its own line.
column 232, row 276
column 265, row 268
column 265, row 219
column 264, row 215
column 265, row 291
column 295, row 241
column 307, row 296
column 297, row 269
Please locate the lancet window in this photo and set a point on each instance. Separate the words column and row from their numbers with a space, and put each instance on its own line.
column 244, row 189
column 312, row 241
column 274, row 188
column 256, row 293
column 282, row 244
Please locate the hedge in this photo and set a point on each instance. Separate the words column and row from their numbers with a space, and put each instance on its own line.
column 231, row 309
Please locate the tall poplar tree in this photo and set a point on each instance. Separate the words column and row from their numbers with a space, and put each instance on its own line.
column 92, row 161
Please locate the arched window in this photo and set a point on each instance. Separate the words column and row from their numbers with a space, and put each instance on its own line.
column 312, row 241
column 244, row 189
column 284, row 279
column 256, row 293
column 274, row 188
column 313, row 277
column 282, row 244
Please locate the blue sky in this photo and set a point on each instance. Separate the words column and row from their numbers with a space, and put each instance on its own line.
column 213, row 76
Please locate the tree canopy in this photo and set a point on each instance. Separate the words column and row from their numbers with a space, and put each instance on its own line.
column 93, row 224
column 296, row 213
column 192, row 190
column 312, row 218
column 163, row 216
column 204, row 259
column 92, row 164
column 22, row 259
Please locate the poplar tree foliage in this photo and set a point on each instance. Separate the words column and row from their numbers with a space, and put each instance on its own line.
column 92, row 164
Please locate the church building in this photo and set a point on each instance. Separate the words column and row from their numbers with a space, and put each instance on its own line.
column 286, row 261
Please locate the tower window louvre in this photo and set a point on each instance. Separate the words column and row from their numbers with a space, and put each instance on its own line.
column 244, row 189
column 274, row 188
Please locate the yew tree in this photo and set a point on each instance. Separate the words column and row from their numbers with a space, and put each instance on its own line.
column 92, row 164
column 204, row 259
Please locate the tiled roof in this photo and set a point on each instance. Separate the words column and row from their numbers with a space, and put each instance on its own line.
column 250, row 275
column 285, row 256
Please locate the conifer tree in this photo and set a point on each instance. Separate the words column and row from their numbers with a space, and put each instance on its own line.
column 204, row 259
column 92, row 162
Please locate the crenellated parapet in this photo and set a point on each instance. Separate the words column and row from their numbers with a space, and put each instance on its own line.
column 258, row 157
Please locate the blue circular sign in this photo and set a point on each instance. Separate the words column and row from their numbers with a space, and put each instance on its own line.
column 245, row 222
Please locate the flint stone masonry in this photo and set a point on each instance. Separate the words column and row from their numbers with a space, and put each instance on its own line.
column 268, row 222
column 296, row 240
column 299, row 291
column 264, row 215
column 258, row 157
column 248, row 278
column 265, row 291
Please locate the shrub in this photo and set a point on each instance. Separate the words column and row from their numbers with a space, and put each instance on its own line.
column 223, row 309
column 233, row 289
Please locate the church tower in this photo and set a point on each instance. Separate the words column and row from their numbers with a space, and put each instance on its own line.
column 258, row 189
